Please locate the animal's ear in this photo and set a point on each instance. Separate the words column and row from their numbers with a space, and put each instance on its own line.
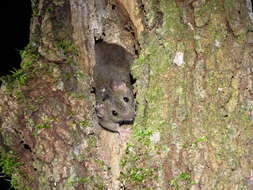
column 100, row 110
column 118, row 86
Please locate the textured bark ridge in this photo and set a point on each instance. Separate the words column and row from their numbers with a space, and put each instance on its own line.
column 194, row 80
column 194, row 74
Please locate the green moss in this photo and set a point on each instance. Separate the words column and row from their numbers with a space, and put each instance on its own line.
column 150, row 70
column 20, row 77
column 67, row 47
column 195, row 112
column 20, row 96
column 172, row 18
column 217, row 29
column 137, row 168
column 30, row 52
column 16, row 79
column 8, row 138
column 228, row 4
column 11, row 167
column 8, row 163
column 35, row 8
column 183, row 181
column 131, row 156
column 83, row 123
column 45, row 124
column 136, row 175
column 196, row 142
column 92, row 141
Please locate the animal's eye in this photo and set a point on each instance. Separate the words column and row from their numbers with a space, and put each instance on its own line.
column 114, row 113
column 126, row 99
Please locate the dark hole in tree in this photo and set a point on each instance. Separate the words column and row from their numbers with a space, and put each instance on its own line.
column 93, row 90
column 26, row 146
column 132, row 79
column 142, row 8
column 135, row 94
column 133, row 34
column 113, row 6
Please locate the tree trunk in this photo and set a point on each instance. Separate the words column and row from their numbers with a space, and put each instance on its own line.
column 194, row 86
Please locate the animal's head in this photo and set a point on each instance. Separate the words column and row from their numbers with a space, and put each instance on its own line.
column 118, row 105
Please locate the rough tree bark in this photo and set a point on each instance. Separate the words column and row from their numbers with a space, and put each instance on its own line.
column 194, row 85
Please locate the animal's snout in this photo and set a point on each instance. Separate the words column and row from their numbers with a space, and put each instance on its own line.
column 126, row 122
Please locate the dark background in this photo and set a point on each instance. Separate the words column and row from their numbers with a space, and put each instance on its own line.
column 15, row 16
